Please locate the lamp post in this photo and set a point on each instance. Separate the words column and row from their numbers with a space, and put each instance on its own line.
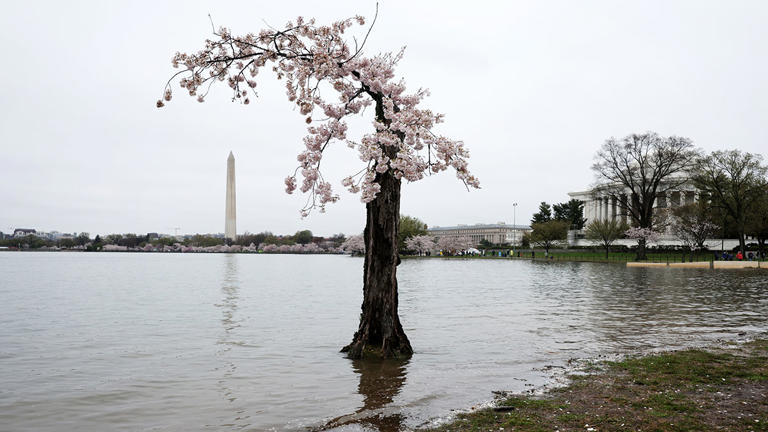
column 514, row 220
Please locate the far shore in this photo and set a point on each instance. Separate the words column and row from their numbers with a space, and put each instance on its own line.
column 674, row 259
column 670, row 260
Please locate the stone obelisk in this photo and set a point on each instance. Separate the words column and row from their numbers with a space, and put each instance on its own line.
column 230, row 226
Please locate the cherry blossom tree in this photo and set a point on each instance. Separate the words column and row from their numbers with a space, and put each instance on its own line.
column 411, row 244
column 354, row 245
column 311, row 248
column 643, row 237
column 693, row 235
column 454, row 244
column 605, row 232
column 692, row 224
column 315, row 61
column 420, row 243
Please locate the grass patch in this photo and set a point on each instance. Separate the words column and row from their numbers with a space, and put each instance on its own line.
column 690, row 390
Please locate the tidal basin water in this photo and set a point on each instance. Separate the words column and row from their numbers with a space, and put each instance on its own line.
column 171, row 342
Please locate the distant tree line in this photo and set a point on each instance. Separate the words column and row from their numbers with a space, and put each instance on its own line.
column 550, row 224
column 571, row 212
column 32, row 241
column 132, row 241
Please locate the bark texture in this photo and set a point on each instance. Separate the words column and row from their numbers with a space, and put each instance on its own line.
column 380, row 333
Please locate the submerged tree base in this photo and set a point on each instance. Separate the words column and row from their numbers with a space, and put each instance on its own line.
column 360, row 350
column 701, row 390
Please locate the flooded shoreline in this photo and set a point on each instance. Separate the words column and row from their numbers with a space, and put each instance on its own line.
column 212, row 342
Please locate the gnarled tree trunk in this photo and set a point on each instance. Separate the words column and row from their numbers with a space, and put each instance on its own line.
column 380, row 333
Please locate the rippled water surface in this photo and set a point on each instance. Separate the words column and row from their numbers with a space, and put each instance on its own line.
column 169, row 342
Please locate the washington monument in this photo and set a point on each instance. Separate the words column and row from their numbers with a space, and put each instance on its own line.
column 230, row 226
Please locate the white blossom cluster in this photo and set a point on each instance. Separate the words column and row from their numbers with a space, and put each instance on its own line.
column 453, row 244
column 420, row 243
column 354, row 245
column 309, row 57
column 647, row 234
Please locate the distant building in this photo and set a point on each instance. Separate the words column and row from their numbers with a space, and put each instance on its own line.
column 499, row 233
column 21, row 232
column 56, row 235
column 600, row 203
column 153, row 236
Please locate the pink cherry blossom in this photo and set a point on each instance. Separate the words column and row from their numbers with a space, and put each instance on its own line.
column 420, row 243
column 316, row 61
column 454, row 244
column 354, row 245
column 646, row 234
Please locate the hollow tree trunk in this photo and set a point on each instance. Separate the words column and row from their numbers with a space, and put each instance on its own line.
column 380, row 333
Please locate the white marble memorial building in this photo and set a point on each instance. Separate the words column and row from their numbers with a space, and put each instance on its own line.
column 599, row 204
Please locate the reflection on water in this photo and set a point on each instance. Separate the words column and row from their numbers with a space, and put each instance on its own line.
column 380, row 382
column 126, row 342
column 660, row 309
column 228, row 339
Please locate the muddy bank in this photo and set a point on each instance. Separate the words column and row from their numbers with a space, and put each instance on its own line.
column 722, row 388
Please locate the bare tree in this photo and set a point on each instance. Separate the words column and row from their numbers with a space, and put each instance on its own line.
column 735, row 182
column 693, row 225
column 605, row 232
column 757, row 224
column 634, row 170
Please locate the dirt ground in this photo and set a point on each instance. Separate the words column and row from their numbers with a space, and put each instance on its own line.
column 693, row 390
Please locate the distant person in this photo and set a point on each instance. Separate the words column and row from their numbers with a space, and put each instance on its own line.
column 739, row 256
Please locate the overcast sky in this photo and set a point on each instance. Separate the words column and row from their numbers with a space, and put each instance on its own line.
column 533, row 88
